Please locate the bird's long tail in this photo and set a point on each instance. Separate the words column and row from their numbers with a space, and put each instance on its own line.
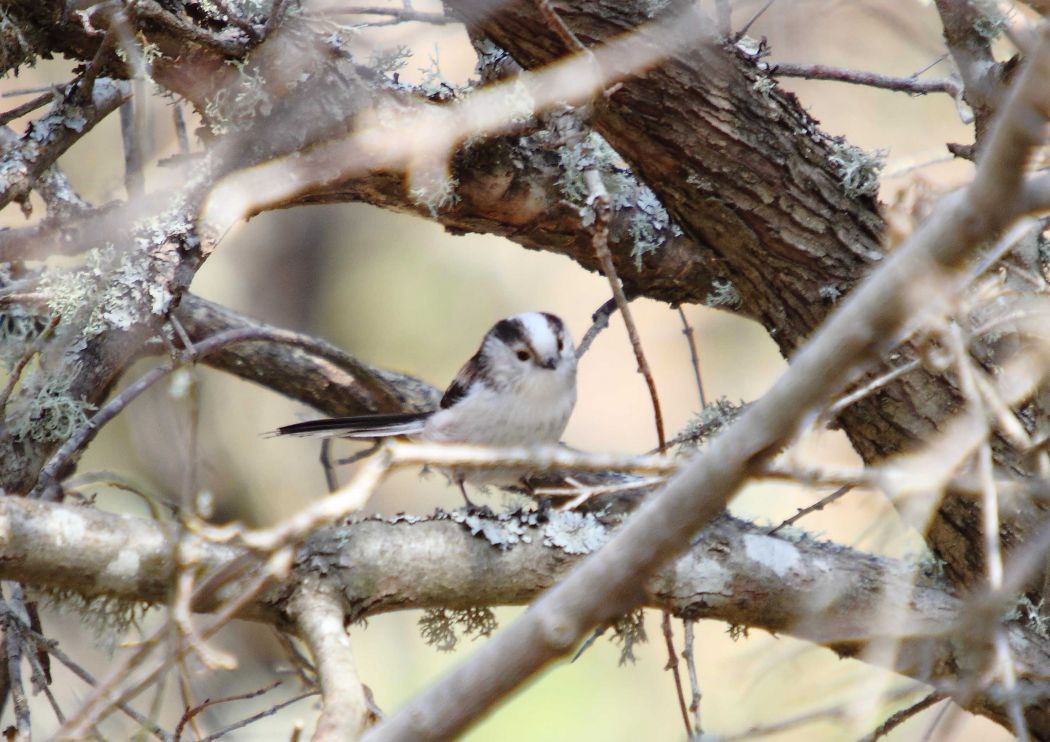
column 359, row 426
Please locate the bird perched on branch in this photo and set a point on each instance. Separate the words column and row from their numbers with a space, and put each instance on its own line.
column 518, row 389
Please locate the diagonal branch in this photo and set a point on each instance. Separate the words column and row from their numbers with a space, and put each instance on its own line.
column 54, row 133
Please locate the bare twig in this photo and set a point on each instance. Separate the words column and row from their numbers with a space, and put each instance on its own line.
column 105, row 696
column 599, row 201
column 599, row 321
column 112, row 408
column 694, row 679
column 871, row 387
column 29, row 106
column 51, row 647
column 256, row 717
column 903, row 715
column 179, row 120
column 871, row 79
column 747, row 26
column 207, row 703
column 694, row 356
column 818, row 505
column 672, row 665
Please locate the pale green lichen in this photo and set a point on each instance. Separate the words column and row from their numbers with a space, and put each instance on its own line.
column 723, row 294
column 991, row 20
column 438, row 626
column 574, row 532
column 765, row 86
column 48, row 412
column 648, row 225
column 435, row 191
column 707, row 423
column 239, row 103
column 628, row 632
column 388, row 61
column 829, row 293
column 107, row 617
column 113, row 288
column 433, row 83
column 1030, row 614
column 858, row 170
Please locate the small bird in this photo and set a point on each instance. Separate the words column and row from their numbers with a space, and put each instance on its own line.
column 518, row 389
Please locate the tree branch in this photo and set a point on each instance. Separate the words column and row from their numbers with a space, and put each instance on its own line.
column 733, row 572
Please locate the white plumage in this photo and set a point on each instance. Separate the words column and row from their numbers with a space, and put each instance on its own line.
column 518, row 389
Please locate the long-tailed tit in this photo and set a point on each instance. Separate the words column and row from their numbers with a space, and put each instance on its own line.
column 518, row 389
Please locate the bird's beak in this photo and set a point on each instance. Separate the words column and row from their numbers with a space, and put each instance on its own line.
column 550, row 363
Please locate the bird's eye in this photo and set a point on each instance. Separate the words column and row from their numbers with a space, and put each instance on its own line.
column 523, row 355
column 561, row 344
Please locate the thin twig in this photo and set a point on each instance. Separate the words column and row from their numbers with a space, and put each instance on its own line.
column 599, row 201
column 179, row 119
column 599, row 321
column 261, row 715
column 208, row 702
column 694, row 678
column 910, row 84
column 326, row 464
column 51, row 647
column 672, row 665
column 29, row 106
column 105, row 696
column 818, row 505
column 903, row 715
column 747, row 26
column 558, row 26
column 870, row 388
column 694, row 356
column 112, row 408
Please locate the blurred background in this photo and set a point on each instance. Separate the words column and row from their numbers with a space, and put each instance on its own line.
column 398, row 292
